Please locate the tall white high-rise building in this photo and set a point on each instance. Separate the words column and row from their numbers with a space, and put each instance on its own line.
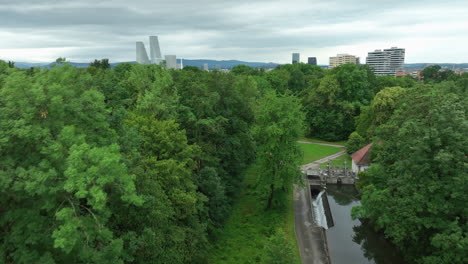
column 205, row 66
column 171, row 61
column 386, row 62
column 141, row 55
column 155, row 51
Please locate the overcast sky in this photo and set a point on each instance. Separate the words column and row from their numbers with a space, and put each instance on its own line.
column 250, row 30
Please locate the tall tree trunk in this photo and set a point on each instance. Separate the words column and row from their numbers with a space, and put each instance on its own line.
column 270, row 198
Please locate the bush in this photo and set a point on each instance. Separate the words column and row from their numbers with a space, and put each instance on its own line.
column 355, row 142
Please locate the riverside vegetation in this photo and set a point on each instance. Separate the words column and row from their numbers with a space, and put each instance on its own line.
column 140, row 164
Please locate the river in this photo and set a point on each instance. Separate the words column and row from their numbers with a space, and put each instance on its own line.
column 352, row 241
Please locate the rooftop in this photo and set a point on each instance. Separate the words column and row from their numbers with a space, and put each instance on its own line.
column 361, row 157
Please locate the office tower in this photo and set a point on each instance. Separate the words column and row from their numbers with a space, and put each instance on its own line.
column 181, row 63
column 341, row 59
column 171, row 61
column 386, row 62
column 295, row 58
column 141, row 55
column 205, row 66
column 312, row 60
column 155, row 51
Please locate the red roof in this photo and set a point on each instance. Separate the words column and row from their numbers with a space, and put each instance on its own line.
column 361, row 157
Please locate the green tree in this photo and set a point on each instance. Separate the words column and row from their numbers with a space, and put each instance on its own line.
column 166, row 229
column 416, row 187
column 380, row 110
column 355, row 142
column 279, row 79
column 100, row 64
column 279, row 123
column 60, row 60
column 62, row 174
column 328, row 116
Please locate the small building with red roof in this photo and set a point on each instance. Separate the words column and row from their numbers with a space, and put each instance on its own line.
column 361, row 159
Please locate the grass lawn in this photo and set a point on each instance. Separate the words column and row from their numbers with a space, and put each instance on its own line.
column 316, row 140
column 339, row 162
column 315, row 152
column 246, row 232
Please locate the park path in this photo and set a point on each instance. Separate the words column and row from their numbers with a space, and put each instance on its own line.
column 323, row 144
column 311, row 239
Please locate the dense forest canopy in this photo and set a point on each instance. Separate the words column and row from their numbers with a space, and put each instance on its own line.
column 140, row 164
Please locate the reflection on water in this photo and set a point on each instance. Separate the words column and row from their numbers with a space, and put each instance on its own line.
column 352, row 241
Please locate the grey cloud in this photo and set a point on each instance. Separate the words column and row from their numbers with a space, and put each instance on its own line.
column 96, row 29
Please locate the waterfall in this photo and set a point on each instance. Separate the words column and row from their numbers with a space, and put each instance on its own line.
column 319, row 211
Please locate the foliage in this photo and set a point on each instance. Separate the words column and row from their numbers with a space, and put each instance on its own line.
column 332, row 105
column 434, row 73
column 280, row 250
column 101, row 64
column 61, row 172
column 134, row 164
column 380, row 110
column 416, row 189
column 61, row 60
column 248, row 229
column 279, row 123
column 355, row 142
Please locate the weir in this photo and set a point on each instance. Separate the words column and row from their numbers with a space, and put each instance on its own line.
column 320, row 208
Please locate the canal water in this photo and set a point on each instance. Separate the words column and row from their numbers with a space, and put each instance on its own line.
column 352, row 241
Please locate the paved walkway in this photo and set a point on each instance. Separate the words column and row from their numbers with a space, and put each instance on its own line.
column 311, row 239
column 313, row 165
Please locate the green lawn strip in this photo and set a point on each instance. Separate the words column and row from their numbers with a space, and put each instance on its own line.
column 339, row 162
column 316, row 140
column 315, row 152
column 246, row 232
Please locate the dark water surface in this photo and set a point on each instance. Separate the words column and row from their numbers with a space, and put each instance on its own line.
column 352, row 241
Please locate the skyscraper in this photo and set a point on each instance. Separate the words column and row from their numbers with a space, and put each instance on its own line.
column 141, row 55
column 341, row 59
column 312, row 60
column 386, row 62
column 205, row 66
column 155, row 51
column 171, row 61
column 296, row 58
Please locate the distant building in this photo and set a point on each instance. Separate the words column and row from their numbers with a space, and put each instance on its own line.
column 386, row 62
column 414, row 74
column 341, row 59
column 296, row 58
column 155, row 51
column 171, row 61
column 312, row 60
column 205, row 66
column 141, row 55
column 361, row 159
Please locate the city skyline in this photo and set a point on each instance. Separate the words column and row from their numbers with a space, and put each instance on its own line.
column 83, row 30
